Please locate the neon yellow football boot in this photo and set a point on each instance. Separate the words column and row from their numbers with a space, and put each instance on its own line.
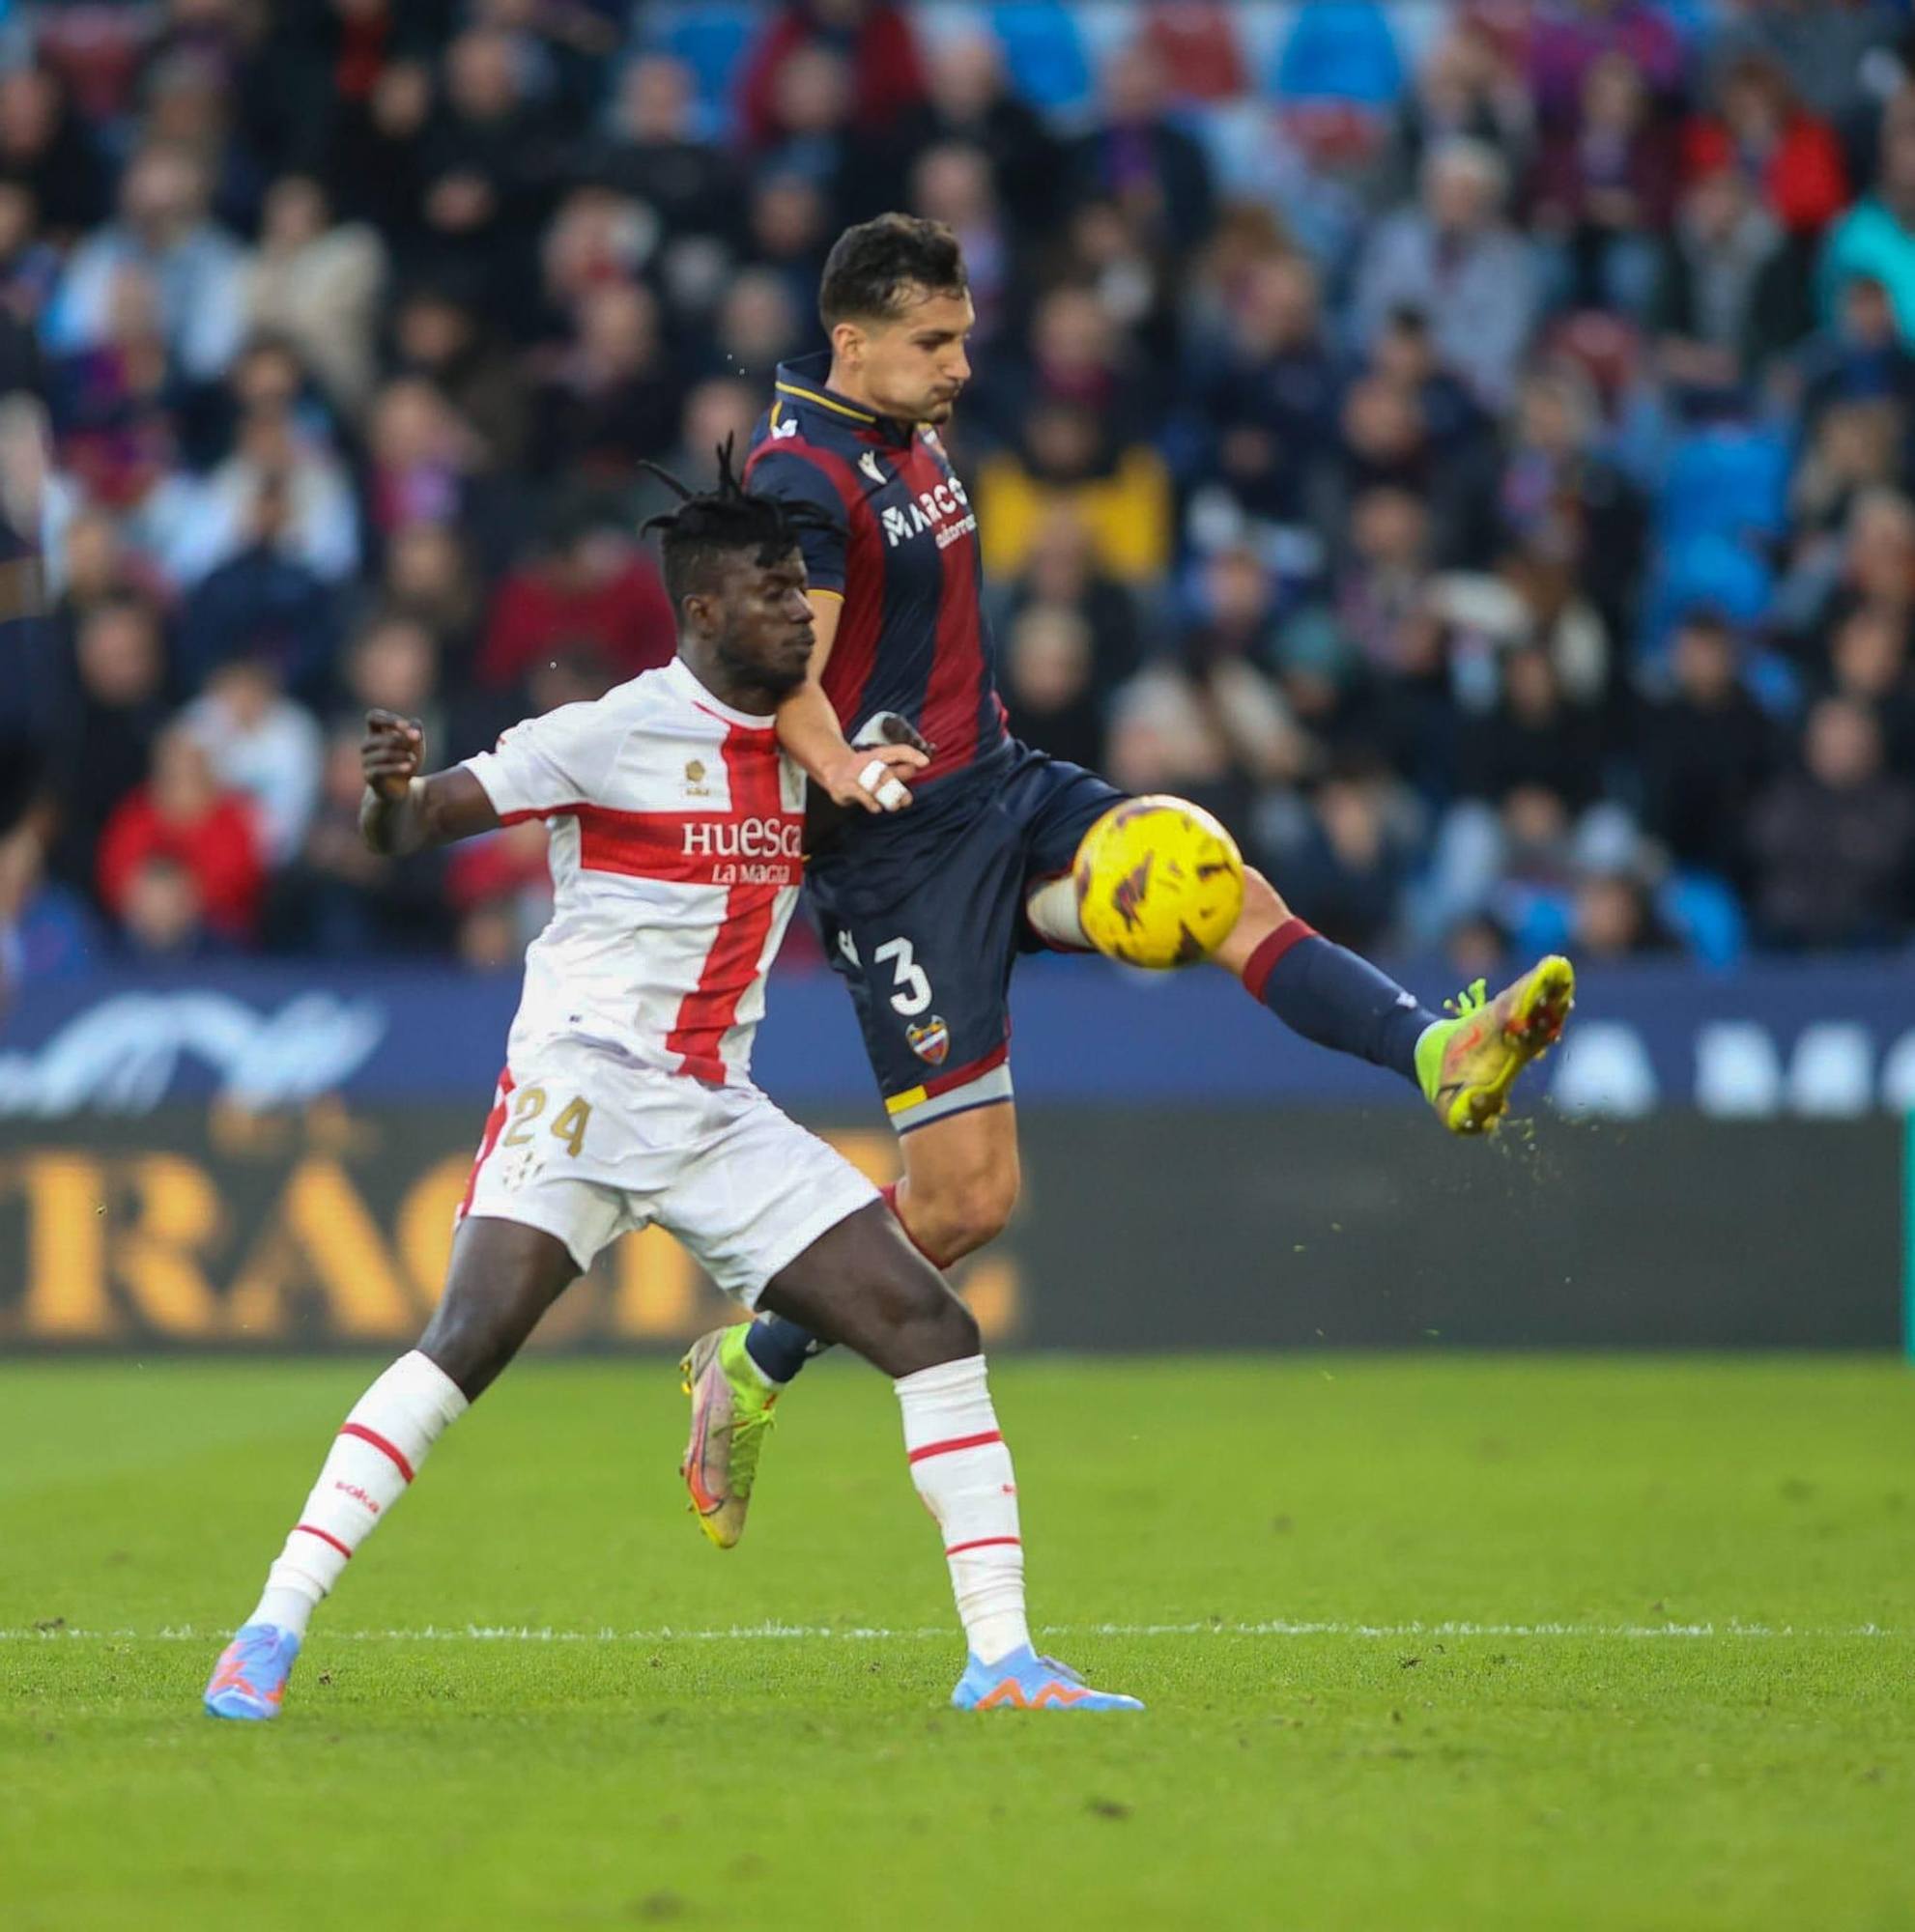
column 730, row 1412
column 1467, row 1065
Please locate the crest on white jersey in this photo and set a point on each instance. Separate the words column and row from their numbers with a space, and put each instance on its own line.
column 870, row 465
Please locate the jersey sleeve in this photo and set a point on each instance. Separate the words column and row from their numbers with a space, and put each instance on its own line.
column 547, row 764
column 823, row 540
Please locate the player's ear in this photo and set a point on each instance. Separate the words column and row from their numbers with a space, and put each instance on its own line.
column 847, row 344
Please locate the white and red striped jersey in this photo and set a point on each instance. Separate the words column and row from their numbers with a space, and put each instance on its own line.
column 674, row 826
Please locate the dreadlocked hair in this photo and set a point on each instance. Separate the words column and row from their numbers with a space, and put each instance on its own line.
column 709, row 525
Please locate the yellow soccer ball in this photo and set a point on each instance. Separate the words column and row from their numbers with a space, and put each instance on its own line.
column 1160, row 883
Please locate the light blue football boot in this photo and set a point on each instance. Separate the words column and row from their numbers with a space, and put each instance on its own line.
column 250, row 1677
column 1024, row 1681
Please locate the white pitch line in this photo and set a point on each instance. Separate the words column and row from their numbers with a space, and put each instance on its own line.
column 818, row 1633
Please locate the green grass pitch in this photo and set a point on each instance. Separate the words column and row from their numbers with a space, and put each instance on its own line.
column 1428, row 1643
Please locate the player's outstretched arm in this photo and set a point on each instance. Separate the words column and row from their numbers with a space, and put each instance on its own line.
column 808, row 727
column 402, row 811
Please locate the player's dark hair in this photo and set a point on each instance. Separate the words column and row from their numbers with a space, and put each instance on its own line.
column 711, row 524
column 876, row 271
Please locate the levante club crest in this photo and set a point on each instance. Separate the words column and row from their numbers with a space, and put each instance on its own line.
column 930, row 1041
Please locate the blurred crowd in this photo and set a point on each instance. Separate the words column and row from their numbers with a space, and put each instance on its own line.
column 1466, row 445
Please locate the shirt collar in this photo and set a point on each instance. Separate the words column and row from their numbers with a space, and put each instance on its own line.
column 708, row 700
column 802, row 380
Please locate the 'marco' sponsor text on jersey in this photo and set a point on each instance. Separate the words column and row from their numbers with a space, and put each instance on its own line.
column 900, row 550
column 674, row 824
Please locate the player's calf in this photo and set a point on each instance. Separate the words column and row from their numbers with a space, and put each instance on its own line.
column 1330, row 995
column 503, row 1276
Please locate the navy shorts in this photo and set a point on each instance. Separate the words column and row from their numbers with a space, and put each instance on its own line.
column 923, row 914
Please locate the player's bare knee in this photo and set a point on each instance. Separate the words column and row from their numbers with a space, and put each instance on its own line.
column 1263, row 911
column 957, row 1335
column 990, row 1201
column 1263, row 898
column 939, row 1329
column 966, row 1212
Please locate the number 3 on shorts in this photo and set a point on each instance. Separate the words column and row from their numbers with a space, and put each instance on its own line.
column 569, row 1127
column 913, row 994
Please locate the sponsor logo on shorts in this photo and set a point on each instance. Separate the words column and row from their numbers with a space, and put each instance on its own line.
column 930, row 1041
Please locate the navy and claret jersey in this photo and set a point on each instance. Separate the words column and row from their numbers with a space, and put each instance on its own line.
column 901, row 550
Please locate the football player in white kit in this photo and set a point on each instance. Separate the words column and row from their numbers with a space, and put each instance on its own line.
column 675, row 823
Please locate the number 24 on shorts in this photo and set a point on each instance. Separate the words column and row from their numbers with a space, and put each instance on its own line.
column 568, row 1124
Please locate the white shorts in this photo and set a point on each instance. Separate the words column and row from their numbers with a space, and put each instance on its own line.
column 587, row 1146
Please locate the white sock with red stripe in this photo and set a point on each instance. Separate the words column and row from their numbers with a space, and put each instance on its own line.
column 964, row 1473
column 374, row 1457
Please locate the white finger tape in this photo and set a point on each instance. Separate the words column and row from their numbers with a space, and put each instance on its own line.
column 891, row 795
column 874, row 775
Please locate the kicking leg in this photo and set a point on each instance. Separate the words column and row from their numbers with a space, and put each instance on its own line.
column 1463, row 1066
column 1322, row 991
column 862, row 1284
column 503, row 1279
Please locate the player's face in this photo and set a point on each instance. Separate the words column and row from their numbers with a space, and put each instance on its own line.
column 766, row 638
column 913, row 369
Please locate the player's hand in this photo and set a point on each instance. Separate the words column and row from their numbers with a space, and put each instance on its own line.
column 871, row 775
column 874, row 779
column 392, row 752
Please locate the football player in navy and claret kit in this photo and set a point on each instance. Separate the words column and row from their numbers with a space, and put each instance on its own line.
column 924, row 910
column 674, row 823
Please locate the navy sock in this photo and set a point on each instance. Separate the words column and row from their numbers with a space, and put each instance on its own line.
column 1330, row 996
column 781, row 1348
